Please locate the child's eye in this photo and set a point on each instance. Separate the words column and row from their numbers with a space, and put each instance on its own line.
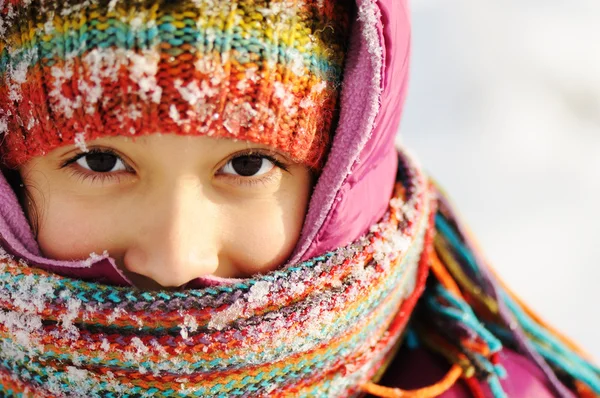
column 98, row 165
column 249, row 166
column 101, row 162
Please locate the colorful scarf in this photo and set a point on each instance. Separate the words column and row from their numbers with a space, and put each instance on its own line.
column 325, row 327
column 320, row 328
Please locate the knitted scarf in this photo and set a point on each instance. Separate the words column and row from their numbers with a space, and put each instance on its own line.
column 322, row 327
column 326, row 327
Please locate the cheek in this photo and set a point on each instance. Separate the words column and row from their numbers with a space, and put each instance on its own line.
column 264, row 237
column 69, row 230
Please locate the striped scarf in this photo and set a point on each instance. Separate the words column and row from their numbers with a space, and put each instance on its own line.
column 319, row 328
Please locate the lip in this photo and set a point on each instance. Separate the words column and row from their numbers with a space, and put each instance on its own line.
column 142, row 282
column 211, row 281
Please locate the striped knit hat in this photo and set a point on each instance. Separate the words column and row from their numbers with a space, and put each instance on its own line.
column 266, row 71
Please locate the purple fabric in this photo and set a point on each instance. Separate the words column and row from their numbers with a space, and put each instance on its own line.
column 14, row 228
column 359, row 175
column 412, row 369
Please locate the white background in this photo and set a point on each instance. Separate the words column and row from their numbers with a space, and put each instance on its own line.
column 504, row 111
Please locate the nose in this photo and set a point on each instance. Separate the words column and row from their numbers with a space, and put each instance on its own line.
column 178, row 239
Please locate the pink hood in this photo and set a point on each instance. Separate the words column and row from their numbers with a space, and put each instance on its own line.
column 356, row 184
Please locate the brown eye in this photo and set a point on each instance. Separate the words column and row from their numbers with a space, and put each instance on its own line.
column 101, row 162
column 248, row 166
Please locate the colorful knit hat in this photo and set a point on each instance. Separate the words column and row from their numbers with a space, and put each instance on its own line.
column 258, row 70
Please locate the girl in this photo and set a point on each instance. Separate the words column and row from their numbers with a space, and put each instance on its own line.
column 185, row 211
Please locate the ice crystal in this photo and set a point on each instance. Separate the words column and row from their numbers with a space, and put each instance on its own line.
column 389, row 248
column 307, row 103
column 62, row 74
column 281, row 92
column 92, row 92
column 186, row 391
column 105, row 346
column 11, row 349
column 116, row 313
column 143, row 72
column 69, row 330
column 259, row 294
column 136, row 22
column 237, row 116
column 134, row 112
column 80, row 142
column 283, row 11
column 190, row 322
column 3, row 125
column 222, row 319
column 368, row 14
column 396, row 203
column 190, row 325
column 190, row 93
column 92, row 88
column 159, row 348
column 78, row 381
column 111, row 5
column 296, row 288
column 184, row 332
column 93, row 257
column 18, row 74
column 32, row 121
column 39, row 292
column 49, row 24
column 174, row 114
column 25, row 328
column 296, row 61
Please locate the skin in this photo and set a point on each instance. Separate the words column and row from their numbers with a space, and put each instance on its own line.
column 172, row 208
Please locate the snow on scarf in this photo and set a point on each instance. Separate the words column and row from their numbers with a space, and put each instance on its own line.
column 322, row 327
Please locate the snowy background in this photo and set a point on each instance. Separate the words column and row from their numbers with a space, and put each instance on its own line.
column 504, row 110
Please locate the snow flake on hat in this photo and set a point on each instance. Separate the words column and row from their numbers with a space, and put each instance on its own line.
column 237, row 116
column 3, row 124
column 82, row 146
column 143, row 72
column 16, row 73
column 61, row 74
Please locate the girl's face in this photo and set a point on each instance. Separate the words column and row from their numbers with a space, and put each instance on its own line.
column 169, row 208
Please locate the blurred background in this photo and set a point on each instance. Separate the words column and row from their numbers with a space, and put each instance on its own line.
column 503, row 110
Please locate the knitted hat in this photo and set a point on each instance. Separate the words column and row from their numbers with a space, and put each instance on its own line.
column 266, row 71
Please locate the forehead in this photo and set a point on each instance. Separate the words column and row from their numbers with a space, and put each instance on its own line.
column 164, row 145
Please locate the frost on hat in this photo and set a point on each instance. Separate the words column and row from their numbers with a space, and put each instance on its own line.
column 263, row 71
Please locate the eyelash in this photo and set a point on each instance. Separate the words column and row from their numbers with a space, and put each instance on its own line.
column 104, row 177
column 250, row 181
column 90, row 176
